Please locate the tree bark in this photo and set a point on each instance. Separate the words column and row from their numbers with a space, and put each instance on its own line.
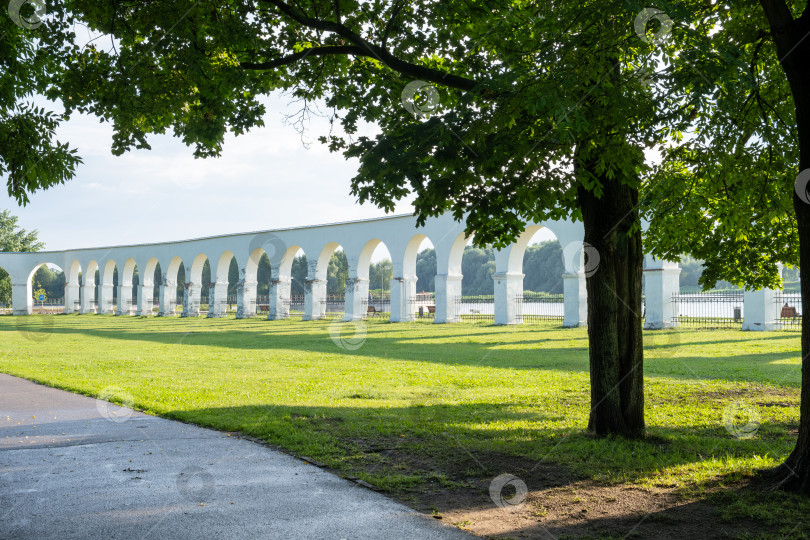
column 793, row 47
column 614, row 309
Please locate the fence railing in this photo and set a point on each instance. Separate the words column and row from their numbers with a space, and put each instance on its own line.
column 709, row 310
column 790, row 310
column 540, row 308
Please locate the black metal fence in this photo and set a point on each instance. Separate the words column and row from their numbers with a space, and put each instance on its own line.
column 533, row 307
column 709, row 309
column 790, row 310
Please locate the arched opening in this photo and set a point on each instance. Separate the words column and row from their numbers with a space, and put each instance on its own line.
column 477, row 286
column 47, row 286
column 126, row 289
column 181, row 286
column 254, row 297
column 542, row 268
column 291, row 286
column 419, row 279
column 380, row 274
column 333, row 267
column 196, row 289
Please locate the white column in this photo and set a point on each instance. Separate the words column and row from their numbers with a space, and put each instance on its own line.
column 192, row 294
column 88, row 292
column 280, row 289
column 448, row 295
column 21, row 301
column 314, row 299
column 662, row 280
column 403, row 292
column 761, row 310
column 356, row 291
column 218, row 299
column 105, row 299
column 167, row 298
column 246, row 299
column 508, row 287
column 575, row 296
column 124, row 300
column 145, row 300
column 72, row 296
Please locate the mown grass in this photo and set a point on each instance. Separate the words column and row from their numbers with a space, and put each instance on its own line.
column 418, row 404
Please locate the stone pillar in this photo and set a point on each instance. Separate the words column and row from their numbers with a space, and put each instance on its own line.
column 314, row 299
column 124, row 300
column 508, row 288
column 575, row 296
column 145, row 300
column 662, row 280
column 192, row 294
column 88, row 297
column 72, row 297
column 21, row 301
column 448, row 296
column 280, row 289
column 246, row 299
column 403, row 292
column 355, row 306
column 168, row 298
column 218, row 299
column 761, row 310
column 105, row 299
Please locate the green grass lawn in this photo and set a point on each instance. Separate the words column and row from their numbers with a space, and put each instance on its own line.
column 416, row 406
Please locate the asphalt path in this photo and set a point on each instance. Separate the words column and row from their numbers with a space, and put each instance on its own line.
column 77, row 467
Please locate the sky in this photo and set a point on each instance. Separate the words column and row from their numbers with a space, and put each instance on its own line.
column 266, row 179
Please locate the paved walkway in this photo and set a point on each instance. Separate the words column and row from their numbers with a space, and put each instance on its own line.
column 76, row 467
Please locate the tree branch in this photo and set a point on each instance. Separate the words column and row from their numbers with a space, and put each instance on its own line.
column 777, row 12
column 380, row 53
column 342, row 50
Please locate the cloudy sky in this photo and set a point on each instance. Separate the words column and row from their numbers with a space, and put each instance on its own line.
column 264, row 180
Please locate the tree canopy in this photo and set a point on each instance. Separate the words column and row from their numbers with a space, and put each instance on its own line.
column 30, row 156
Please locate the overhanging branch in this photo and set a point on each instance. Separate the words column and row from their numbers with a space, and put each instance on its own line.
column 371, row 50
column 338, row 50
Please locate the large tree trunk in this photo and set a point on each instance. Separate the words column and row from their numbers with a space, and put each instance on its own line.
column 793, row 48
column 614, row 309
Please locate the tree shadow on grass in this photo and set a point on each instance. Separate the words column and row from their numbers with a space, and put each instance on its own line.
column 445, row 457
column 378, row 341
